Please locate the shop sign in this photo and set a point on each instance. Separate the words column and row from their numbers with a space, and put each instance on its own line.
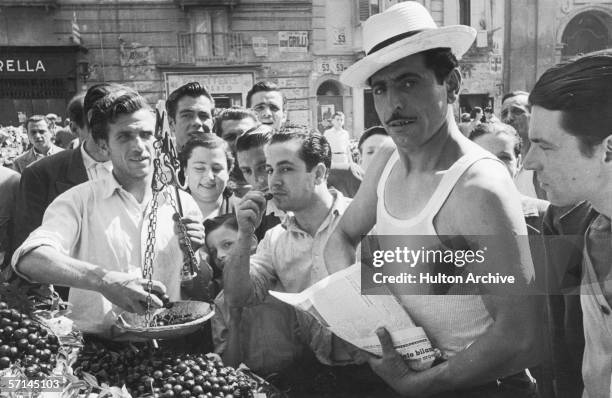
column 225, row 83
column 293, row 42
column 22, row 65
column 260, row 46
column 299, row 117
column 333, row 65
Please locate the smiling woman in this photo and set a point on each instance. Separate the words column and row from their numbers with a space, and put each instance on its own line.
column 207, row 164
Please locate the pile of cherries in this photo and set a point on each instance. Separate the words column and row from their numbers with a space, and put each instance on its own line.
column 167, row 319
column 160, row 374
column 26, row 342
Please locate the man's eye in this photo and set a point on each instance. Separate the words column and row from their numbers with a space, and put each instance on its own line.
column 274, row 108
column 227, row 245
column 246, row 172
column 230, row 137
column 217, row 170
column 408, row 84
column 378, row 90
column 269, row 171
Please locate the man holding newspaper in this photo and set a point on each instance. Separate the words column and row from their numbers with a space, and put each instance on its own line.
column 435, row 182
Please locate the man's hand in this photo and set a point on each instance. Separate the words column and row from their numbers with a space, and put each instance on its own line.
column 129, row 291
column 250, row 212
column 392, row 368
column 195, row 231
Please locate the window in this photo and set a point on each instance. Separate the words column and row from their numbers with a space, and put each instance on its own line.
column 465, row 12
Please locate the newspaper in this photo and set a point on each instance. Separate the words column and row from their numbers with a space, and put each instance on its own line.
column 337, row 303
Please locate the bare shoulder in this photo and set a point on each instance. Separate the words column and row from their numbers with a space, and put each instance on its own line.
column 488, row 199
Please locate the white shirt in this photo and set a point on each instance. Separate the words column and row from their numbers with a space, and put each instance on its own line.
column 101, row 223
column 95, row 170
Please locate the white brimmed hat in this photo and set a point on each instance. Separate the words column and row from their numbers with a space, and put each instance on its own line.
column 404, row 29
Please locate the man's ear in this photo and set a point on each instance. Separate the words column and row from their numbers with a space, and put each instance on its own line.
column 171, row 123
column 320, row 173
column 519, row 163
column 607, row 142
column 103, row 145
column 453, row 85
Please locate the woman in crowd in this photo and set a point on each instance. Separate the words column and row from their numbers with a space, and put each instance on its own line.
column 207, row 164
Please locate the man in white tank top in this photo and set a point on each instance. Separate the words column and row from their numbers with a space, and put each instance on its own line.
column 435, row 181
column 571, row 150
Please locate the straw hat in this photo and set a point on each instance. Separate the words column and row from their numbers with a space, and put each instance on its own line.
column 404, row 29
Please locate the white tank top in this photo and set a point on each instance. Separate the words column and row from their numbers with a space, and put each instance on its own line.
column 452, row 322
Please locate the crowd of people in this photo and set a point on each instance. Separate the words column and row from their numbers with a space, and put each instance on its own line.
column 269, row 205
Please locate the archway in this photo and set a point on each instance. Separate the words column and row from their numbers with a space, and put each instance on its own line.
column 588, row 31
column 329, row 100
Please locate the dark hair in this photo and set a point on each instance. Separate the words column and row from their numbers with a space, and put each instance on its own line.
column 370, row 132
column 212, row 224
column 465, row 117
column 498, row 128
column 262, row 86
column 74, row 110
column 580, row 89
column 514, row 94
column 108, row 109
column 315, row 148
column 474, row 111
column 338, row 113
column 254, row 138
column 442, row 61
column 36, row 119
column 99, row 91
column 488, row 109
column 234, row 113
column 212, row 142
column 192, row 89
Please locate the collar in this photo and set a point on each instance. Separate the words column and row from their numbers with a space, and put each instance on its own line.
column 38, row 154
column 338, row 205
column 109, row 186
column 530, row 206
column 90, row 162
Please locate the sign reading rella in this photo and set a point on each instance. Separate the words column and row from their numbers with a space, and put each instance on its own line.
column 293, row 41
column 22, row 65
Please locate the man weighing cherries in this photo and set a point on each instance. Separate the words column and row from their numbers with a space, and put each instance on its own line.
column 98, row 237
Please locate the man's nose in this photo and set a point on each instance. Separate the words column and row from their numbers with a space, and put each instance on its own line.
column 265, row 112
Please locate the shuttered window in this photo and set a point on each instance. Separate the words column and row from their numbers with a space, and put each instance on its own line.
column 32, row 88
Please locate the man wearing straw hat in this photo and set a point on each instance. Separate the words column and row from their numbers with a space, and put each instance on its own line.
column 435, row 182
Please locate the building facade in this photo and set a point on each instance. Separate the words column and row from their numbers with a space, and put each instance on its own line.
column 51, row 49
column 541, row 33
column 153, row 46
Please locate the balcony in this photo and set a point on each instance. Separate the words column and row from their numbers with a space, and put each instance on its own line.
column 212, row 49
column 29, row 3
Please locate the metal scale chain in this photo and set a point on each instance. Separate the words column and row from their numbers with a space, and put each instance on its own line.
column 164, row 150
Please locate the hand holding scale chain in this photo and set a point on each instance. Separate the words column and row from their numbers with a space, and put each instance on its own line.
column 165, row 150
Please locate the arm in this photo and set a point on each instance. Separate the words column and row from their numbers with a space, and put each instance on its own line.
column 359, row 217
column 31, row 203
column 46, row 264
column 246, row 278
column 45, row 257
column 490, row 206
